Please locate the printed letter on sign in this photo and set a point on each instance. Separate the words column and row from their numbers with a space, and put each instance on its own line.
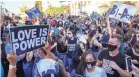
column 122, row 12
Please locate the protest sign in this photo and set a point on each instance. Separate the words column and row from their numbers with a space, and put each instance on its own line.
column 108, row 12
column 122, row 12
column 28, row 38
column 95, row 16
column 33, row 13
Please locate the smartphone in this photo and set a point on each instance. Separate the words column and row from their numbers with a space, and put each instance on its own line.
column 128, row 64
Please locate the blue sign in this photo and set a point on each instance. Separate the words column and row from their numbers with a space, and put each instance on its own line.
column 95, row 16
column 28, row 38
column 36, row 11
column 33, row 13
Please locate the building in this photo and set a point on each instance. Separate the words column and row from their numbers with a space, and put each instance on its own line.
column 78, row 7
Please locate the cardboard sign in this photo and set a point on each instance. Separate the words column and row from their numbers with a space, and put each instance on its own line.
column 122, row 12
column 28, row 38
column 33, row 13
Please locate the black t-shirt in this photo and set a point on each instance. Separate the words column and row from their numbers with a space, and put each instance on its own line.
column 71, row 47
column 106, row 58
column 134, row 57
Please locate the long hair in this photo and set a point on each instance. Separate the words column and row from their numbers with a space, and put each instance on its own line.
column 82, row 64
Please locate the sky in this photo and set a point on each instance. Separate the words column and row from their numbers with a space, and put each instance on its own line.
column 14, row 5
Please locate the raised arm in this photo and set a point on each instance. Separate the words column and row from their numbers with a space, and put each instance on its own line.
column 12, row 67
column 108, row 26
column 29, row 56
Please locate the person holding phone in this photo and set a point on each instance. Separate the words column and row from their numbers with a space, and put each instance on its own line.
column 134, row 54
column 112, row 60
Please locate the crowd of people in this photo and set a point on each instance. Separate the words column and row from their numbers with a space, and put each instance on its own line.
column 76, row 47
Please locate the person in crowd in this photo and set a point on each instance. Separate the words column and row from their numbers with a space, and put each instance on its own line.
column 116, row 30
column 48, row 65
column 28, row 63
column 61, row 48
column 93, row 42
column 71, row 44
column 88, row 68
column 112, row 60
column 60, row 24
column 134, row 54
column 28, row 22
column 54, row 28
column 52, row 39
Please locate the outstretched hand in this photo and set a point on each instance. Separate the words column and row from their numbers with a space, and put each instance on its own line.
column 11, row 57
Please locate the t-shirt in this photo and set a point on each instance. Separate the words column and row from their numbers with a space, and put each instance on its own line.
column 119, row 59
column 134, row 57
column 55, row 31
column 98, row 72
column 71, row 47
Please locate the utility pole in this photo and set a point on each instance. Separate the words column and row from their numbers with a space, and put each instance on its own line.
column 1, row 21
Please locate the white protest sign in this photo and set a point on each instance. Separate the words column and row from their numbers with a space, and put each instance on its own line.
column 122, row 12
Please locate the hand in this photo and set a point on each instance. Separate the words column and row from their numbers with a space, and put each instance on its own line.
column 114, row 65
column 135, row 69
column 67, row 74
column 12, row 58
column 135, row 61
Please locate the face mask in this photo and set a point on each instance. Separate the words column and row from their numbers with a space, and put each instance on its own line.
column 90, row 64
column 111, row 47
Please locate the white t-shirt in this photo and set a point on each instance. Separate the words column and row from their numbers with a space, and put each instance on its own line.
column 98, row 72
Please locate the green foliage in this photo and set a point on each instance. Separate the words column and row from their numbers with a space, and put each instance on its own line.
column 23, row 8
column 56, row 10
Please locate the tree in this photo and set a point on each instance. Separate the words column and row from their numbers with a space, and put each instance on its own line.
column 39, row 5
column 56, row 10
column 23, row 8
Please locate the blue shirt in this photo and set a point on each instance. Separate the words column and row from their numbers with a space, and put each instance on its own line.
column 56, row 31
column 2, row 70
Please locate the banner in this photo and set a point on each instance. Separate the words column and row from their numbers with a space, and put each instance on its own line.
column 122, row 12
column 33, row 13
column 28, row 38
